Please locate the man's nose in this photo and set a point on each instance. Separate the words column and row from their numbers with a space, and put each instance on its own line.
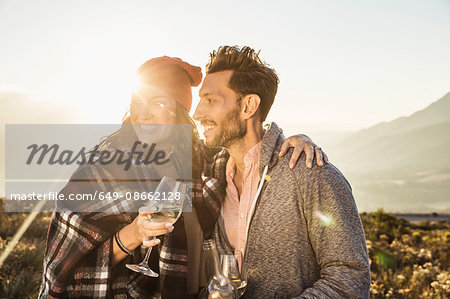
column 198, row 114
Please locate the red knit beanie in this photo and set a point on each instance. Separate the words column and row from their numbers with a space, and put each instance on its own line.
column 172, row 75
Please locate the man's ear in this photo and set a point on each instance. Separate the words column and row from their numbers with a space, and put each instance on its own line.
column 250, row 105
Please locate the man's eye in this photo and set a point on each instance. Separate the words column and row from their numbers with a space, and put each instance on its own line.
column 209, row 101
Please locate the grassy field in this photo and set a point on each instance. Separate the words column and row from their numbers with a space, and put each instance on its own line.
column 408, row 260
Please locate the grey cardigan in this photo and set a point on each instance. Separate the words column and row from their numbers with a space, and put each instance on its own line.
column 305, row 239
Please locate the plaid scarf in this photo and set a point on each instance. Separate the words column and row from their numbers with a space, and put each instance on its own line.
column 78, row 259
column 79, row 247
column 214, row 190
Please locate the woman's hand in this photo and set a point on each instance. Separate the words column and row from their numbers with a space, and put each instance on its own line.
column 140, row 231
column 302, row 143
column 145, row 230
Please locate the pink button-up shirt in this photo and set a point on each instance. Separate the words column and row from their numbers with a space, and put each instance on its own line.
column 236, row 209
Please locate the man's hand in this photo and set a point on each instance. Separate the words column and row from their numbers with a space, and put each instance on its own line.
column 302, row 143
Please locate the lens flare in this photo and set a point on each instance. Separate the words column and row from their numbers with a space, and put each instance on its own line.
column 325, row 220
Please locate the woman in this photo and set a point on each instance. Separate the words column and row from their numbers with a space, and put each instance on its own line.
column 87, row 251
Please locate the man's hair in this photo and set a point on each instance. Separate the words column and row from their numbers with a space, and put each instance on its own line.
column 250, row 74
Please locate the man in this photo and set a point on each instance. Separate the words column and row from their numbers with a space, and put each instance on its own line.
column 298, row 229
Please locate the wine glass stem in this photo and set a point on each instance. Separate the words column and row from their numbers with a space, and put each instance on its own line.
column 147, row 256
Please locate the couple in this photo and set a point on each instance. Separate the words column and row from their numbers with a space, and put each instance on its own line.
column 298, row 228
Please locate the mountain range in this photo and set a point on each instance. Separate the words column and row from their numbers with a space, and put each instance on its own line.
column 402, row 165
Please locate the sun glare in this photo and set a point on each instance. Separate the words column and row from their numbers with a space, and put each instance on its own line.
column 133, row 83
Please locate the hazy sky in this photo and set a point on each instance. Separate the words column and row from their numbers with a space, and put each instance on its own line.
column 343, row 65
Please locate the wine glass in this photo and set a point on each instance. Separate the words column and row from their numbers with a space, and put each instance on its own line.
column 230, row 269
column 166, row 205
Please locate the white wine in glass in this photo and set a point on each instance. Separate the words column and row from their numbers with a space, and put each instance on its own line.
column 230, row 268
column 167, row 210
column 166, row 214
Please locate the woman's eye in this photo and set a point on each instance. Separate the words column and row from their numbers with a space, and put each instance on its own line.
column 209, row 101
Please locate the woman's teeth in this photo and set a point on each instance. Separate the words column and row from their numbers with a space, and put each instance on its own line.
column 148, row 127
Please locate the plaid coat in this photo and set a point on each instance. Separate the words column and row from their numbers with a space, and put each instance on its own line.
column 78, row 257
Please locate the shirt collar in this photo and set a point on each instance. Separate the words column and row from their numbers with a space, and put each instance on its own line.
column 250, row 158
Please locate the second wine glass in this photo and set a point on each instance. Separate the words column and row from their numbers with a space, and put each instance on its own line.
column 230, row 268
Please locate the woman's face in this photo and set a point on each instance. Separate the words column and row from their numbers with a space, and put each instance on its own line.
column 152, row 114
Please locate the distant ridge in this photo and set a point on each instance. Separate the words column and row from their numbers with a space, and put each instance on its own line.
column 387, row 143
column 433, row 217
column 436, row 113
column 402, row 166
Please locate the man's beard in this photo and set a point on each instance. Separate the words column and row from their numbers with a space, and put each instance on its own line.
column 231, row 130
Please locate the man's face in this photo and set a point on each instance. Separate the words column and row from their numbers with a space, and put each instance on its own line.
column 219, row 111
